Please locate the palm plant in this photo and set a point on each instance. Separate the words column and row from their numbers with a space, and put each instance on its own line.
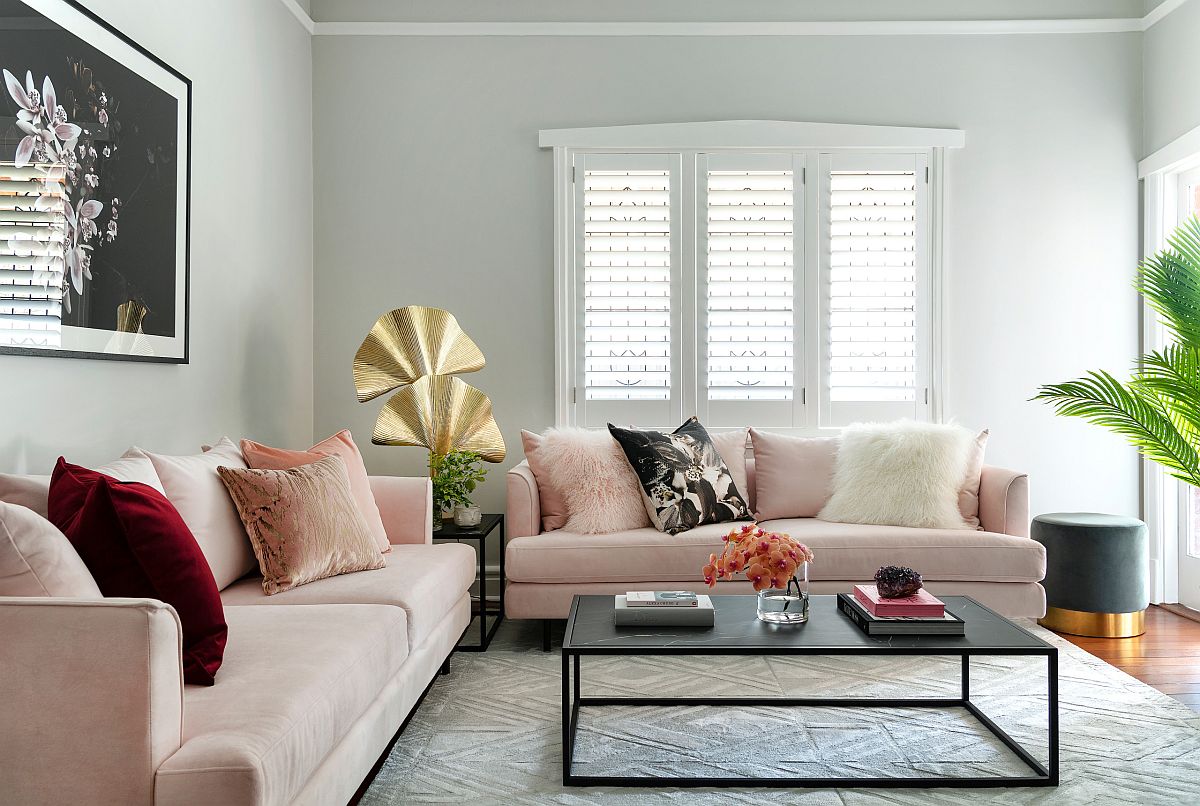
column 1158, row 409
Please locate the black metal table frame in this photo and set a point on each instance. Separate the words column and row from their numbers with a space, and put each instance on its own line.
column 1043, row 775
column 485, row 634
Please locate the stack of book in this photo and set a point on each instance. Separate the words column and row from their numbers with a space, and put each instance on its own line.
column 919, row 614
column 663, row 609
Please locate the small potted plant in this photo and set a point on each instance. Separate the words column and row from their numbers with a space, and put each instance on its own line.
column 776, row 565
column 455, row 476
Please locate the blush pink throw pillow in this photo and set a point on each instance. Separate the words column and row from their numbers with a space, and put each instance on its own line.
column 303, row 522
column 554, row 508
column 597, row 484
column 793, row 476
column 264, row 457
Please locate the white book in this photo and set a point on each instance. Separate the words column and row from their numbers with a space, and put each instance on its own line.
column 702, row 615
column 660, row 598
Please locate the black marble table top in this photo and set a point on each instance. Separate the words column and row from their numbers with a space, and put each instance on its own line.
column 590, row 630
column 451, row 530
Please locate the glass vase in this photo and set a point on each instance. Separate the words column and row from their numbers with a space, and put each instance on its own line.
column 786, row 605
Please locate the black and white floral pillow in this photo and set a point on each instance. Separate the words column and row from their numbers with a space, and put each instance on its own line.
column 684, row 480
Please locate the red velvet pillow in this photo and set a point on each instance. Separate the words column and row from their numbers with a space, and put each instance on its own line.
column 135, row 544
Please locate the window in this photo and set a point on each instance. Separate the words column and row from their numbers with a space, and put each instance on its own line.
column 1188, row 189
column 31, row 255
column 1171, row 184
column 781, row 287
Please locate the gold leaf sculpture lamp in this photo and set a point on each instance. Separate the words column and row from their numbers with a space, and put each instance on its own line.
column 441, row 413
column 411, row 343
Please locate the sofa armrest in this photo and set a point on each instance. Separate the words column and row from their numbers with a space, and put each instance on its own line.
column 91, row 698
column 1004, row 501
column 524, row 512
column 406, row 507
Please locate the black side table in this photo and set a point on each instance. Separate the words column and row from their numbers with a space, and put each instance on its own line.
column 451, row 531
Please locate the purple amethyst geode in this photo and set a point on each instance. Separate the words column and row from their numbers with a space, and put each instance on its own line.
column 894, row 581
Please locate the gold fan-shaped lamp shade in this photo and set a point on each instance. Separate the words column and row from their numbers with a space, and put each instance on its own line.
column 441, row 413
column 410, row 343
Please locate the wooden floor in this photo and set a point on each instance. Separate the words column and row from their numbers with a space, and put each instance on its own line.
column 1166, row 657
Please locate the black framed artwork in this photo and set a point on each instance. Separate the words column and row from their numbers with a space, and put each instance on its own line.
column 95, row 164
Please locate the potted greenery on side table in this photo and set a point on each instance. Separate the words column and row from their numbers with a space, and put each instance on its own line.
column 455, row 476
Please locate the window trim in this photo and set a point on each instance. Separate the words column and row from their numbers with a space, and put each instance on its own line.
column 728, row 136
column 1161, row 173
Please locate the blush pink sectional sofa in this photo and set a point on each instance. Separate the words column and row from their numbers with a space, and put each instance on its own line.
column 999, row 565
column 315, row 682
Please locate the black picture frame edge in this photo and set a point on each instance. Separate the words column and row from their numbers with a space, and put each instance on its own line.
column 187, row 222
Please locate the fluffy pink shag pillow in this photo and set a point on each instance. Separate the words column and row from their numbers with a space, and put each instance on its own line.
column 599, row 487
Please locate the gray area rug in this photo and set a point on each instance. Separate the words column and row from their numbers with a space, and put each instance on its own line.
column 490, row 731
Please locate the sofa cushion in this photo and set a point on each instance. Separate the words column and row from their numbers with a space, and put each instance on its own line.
column 36, row 559
column 31, row 491
column 426, row 581
column 295, row 681
column 855, row 551
column 732, row 447
column 629, row 556
column 684, row 480
column 843, row 551
column 264, row 457
column 793, row 476
column 135, row 545
column 303, row 522
column 554, row 508
column 192, row 485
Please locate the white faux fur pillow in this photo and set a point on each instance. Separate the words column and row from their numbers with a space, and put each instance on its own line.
column 900, row 474
column 595, row 480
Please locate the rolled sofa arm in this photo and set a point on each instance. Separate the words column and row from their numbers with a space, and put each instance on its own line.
column 524, row 512
column 91, row 699
column 1004, row 501
column 406, row 507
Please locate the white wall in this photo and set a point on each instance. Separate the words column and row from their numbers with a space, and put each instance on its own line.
column 251, row 257
column 438, row 195
column 1171, row 65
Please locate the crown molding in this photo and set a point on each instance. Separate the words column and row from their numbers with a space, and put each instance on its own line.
column 823, row 28
column 1161, row 10
column 301, row 15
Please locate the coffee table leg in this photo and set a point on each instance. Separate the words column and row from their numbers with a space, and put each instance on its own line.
column 966, row 678
column 1052, row 690
column 566, row 716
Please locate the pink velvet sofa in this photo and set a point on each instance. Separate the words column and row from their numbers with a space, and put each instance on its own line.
column 314, row 685
column 999, row 566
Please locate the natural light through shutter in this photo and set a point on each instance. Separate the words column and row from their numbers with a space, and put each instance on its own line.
column 627, row 284
column 31, row 255
column 750, row 285
column 872, row 286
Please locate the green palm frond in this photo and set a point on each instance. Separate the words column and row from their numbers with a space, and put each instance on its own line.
column 1172, row 376
column 1170, row 282
column 1124, row 409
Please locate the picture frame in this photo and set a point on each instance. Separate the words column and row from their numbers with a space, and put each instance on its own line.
column 95, row 190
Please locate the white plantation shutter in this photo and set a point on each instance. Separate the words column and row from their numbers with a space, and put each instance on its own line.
column 628, row 238
column 778, row 288
column 31, row 255
column 874, row 361
column 749, row 284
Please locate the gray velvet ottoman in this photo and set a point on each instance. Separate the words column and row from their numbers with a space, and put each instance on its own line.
column 1096, row 573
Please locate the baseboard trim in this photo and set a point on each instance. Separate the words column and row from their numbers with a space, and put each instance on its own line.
column 1181, row 610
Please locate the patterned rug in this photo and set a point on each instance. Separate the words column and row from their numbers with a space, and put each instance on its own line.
column 490, row 731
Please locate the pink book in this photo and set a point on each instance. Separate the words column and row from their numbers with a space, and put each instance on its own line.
column 922, row 604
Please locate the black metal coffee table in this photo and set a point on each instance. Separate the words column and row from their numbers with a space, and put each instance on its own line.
column 590, row 631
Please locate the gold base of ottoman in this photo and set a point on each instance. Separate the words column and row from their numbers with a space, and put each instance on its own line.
column 1094, row 625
